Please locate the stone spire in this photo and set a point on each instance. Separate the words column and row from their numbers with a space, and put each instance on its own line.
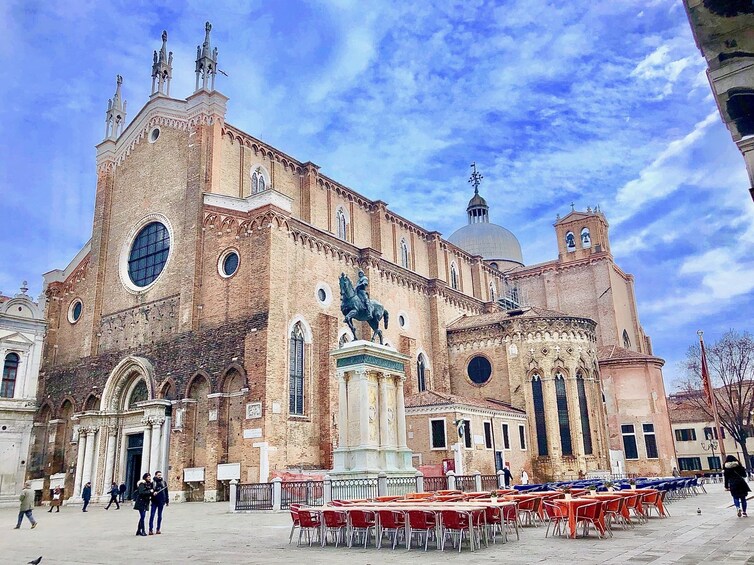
column 162, row 68
column 115, row 117
column 206, row 62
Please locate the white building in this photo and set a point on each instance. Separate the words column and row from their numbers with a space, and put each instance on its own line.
column 22, row 330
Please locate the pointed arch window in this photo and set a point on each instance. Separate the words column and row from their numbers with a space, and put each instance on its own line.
column 539, row 414
column 296, row 380
column 421, row 365
column 586, row 429
column 453, row 276
column 343, row 340
column 404, row 254
column 586, row 238
column 626, row 340
column 10, row 370
column 258, row 183
column 340, row 219
column 563, row 422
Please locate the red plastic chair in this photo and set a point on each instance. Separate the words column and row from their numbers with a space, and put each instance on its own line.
column 590, row 514
column 363, row 521
column 421, row 521
column 529, row 510
column 556, row 515
column 391, row 521
column 336, row 521
column 493, row 516
column 308, row 521
column 456, row 521
column 296, row 522
column 613, row 510
column 510, row 519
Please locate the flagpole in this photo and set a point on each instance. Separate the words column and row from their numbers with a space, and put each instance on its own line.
column 709, row 392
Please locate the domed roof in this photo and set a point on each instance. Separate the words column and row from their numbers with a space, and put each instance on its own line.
column 476, row 200
column 491, row 241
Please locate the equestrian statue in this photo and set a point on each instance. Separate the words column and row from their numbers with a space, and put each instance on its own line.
column 356, row 305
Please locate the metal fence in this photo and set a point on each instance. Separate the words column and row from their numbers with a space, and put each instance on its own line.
column 489, row 482
column 311, row 493
column 349, row 489
column 465, row 483
column 254, row 497
column 431, row 484
column 398, row 486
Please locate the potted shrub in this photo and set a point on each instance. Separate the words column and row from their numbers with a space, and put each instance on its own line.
column 567, row 492
column 609, row 486
column 632, row 483
column 493, row 496
column 592, row 490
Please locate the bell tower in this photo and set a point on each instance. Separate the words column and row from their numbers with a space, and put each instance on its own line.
column 115, row 117
column 582, row 234
column 162, row 69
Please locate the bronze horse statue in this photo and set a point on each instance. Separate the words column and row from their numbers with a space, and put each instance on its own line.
column 353, row 308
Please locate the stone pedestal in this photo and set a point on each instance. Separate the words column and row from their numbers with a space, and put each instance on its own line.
column 371, row 412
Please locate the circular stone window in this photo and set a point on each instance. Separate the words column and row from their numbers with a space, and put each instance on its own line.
column 228, row 263
column 323, row 294
column 74, row 311
column 402, row 321
column 479, row 370
column 149, row 253
column 154, row 135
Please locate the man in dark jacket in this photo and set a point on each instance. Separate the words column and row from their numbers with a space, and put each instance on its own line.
column 114, row 492
column 735, row 482
column 143, row 496
column 122, row 492
column 160, row 499
column 86, row 495
column 507, row 475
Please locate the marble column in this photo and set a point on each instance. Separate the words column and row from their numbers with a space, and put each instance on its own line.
column 385, row 439
column 400, row 408
column 364, row 407
column 342, row 410
column 88, row 456
column 77, row 483
column 146, row 447
column 156, row 444
column 110, row 458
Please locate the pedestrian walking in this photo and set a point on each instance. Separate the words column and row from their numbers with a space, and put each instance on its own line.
column 86, row 495
column 143, row 496
column 676, row 474
column 507, row 476
column 57, row 500
column 122, row 492
column 524, row 477
column 114, row 492
column 735, row 482
column 25, row 508
column 160, row 499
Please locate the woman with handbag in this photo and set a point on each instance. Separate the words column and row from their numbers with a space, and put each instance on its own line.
column 57, row 500
column 143, row 496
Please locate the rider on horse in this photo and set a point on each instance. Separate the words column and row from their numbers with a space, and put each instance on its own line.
column 361, row 291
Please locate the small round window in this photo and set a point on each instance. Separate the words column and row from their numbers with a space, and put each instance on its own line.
column 402, row 320
column 479, row 370
column 154, row 135
column 229, row 263
column 149, row 253
column 74, row 311
column 321, row 295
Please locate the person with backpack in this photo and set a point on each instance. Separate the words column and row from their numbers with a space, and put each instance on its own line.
column 735, row 482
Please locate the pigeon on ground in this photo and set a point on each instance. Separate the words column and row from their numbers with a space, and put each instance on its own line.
column 698, row 510
column 35, row 561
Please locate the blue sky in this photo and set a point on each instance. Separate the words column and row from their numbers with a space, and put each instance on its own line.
column 592, row 102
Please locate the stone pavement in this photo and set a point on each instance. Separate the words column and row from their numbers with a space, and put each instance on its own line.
column 206, row 533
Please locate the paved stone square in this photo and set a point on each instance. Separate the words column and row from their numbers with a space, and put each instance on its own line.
column 206, row 533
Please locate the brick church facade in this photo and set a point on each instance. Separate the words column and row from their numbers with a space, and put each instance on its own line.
column 192, row 333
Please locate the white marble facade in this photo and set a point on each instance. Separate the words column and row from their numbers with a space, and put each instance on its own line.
column 22, row 330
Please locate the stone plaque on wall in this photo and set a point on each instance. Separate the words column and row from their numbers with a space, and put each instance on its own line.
column 213, row 415
column 252, row 433
column 253, row 410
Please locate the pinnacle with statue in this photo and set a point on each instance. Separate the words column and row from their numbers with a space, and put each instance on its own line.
column 355, row 304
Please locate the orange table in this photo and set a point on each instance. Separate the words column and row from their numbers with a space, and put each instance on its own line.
column 570, row 507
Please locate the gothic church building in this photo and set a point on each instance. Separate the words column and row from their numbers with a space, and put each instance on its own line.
column 192, row 333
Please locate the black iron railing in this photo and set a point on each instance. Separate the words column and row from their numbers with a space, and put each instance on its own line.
column 432, row 484
column 311, row 493
column 254, row 497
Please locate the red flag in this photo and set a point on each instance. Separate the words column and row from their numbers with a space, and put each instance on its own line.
column 706, row 380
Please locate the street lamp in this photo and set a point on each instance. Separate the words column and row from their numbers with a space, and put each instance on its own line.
column 711, row 445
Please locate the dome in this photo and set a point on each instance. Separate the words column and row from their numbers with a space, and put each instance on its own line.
column 492, row 242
